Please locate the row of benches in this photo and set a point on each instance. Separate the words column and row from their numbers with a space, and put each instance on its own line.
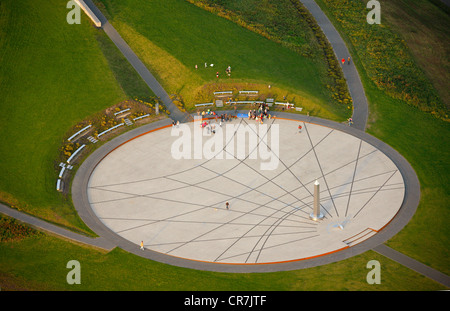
column 59, row 181
column 229, row 93
column 108, row 130
column 269, row 101
column 64, row 167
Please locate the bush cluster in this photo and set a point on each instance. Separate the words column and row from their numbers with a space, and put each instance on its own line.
column 69, row 148
column 105, row 120
column 151, row 102
column 11, row 230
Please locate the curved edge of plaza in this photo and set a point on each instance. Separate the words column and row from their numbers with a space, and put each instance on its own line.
column 403, row 216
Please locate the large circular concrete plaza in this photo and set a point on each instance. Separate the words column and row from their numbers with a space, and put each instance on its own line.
column 139, row 189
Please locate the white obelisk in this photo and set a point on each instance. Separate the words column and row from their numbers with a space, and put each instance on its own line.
column 316, row 214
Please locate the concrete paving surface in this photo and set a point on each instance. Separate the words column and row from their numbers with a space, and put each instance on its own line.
column 177, row 207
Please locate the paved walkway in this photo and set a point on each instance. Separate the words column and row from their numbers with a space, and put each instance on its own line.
column 37, row 223
column 413, row 264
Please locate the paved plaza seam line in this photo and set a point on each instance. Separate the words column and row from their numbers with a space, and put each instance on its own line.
column 353, row 179
column 256, row 189
column 321, row 170
column 265, row 177
column 376, row 192
column 300, row 207
column 273, row 227
column 260, row 249
column 233, row 238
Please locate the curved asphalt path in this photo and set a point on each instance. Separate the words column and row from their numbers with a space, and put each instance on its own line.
column 356, row 89
column 360, row 115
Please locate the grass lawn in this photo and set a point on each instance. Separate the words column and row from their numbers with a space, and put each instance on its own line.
column 24, row 266
column 52, row 75
column 429, row 42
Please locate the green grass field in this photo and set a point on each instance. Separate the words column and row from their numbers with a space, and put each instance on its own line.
column 24, row 267
column 50, row 80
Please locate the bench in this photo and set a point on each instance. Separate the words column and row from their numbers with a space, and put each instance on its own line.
column 252, row 93
column 61, row 172
column 224, row 93
column 110, row 129
column 205, row 104
column 122, row 111
column 288, row 105
column 89, row 13
column 75, row 153
column 246, row 102
column 79, row 132
column 59, row 185
column 69, row 167
column 141, row 117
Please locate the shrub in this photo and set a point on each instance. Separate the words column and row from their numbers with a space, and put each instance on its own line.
column 11, row 229
column 386, row 58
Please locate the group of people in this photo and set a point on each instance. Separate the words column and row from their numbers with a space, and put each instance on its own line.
column 223, row 117
column 260, row 114
column 343, row 61
column 211, row 128
column 228, row 70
